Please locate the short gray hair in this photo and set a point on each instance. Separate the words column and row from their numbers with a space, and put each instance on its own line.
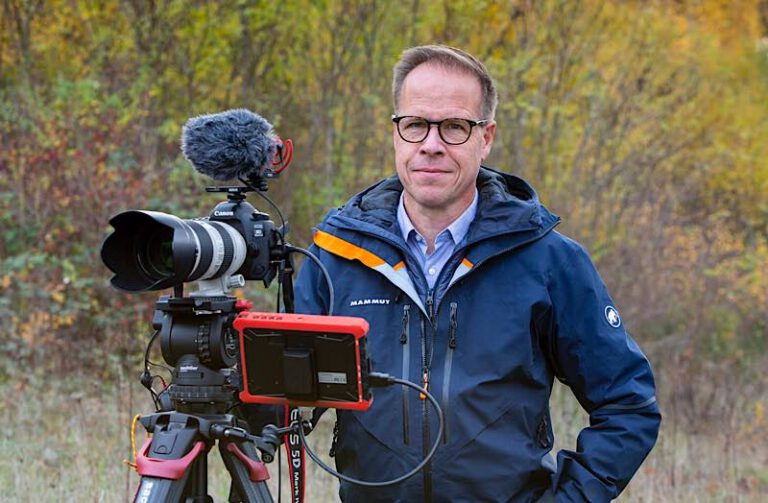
column 449, row 58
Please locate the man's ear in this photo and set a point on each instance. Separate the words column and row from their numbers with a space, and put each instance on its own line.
column 489, row 133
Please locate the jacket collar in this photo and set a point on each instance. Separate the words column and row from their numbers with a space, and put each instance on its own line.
column 509, row 215
column 508, row 204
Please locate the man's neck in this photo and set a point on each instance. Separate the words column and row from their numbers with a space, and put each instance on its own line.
column 429, row 222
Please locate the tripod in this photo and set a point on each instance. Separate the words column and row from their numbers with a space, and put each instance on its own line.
column 173, row 463
column 192, row 412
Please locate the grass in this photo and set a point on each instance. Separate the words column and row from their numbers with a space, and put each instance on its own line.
column 61, row 443
column 66, row 439
column 727, row 465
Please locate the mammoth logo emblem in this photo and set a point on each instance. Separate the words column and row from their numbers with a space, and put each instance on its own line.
column 612, row 315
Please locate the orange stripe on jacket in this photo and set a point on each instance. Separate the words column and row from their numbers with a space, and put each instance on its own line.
column 345, row 249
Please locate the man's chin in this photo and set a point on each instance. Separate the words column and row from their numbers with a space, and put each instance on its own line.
column 431, row 177
column 430, row 201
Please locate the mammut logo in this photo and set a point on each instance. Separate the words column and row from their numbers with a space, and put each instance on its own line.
column 612, row 315
column 369, row 302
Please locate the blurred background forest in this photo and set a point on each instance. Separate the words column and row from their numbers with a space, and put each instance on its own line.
column 643, row 124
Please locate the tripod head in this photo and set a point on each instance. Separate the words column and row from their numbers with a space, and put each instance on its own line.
column 196, row 336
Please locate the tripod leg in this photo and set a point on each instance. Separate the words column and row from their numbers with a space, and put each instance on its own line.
column 157, row 490
column 249, row 475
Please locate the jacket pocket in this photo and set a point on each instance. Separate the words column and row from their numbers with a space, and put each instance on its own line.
column 405, row 341
column 543, row 432
column 452, row 329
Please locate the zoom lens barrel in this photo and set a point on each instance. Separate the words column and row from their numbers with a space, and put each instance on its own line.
column 150, row 250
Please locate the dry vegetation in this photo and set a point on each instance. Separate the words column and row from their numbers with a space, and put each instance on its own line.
column 642, row 123
column 66, row 443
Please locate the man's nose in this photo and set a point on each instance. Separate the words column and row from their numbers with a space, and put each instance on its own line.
column 433, row 143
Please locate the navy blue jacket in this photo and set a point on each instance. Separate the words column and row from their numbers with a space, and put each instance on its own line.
column 517, row 305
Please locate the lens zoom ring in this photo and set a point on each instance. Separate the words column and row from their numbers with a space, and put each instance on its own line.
column 229, row 247
column 205, row 251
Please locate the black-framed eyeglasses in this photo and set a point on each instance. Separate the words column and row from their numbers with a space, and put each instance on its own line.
column 453, row 131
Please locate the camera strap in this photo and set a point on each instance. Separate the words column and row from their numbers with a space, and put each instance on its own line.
column 295, row 451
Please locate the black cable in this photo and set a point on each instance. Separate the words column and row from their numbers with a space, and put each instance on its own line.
column 279, row 290
column 279, row 213
column 261, row 193
column 384, row 379
column 279, row 464
column 155, row 400
column 290, row 248
column 322, row 269
column 147, row 377
column 149, row 346
column 164, row 367
column 266, row 198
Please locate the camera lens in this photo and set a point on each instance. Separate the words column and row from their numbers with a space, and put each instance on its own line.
column 156, row 259
column 150, row 250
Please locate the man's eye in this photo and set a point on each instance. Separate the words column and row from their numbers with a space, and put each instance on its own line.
column 456, row 125
column 414, row 124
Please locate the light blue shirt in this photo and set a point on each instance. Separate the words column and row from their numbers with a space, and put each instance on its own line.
column 445, row 242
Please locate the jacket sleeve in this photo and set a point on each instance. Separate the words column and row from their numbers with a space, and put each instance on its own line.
column 610, row 376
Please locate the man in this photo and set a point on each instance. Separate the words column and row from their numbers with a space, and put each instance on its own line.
column 470, row 292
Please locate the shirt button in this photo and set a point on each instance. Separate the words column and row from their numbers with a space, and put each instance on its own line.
column 431, row 271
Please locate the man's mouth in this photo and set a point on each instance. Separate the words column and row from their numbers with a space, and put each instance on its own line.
column 430, row 169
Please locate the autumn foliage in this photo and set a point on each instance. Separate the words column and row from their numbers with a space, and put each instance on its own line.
column 642, row 123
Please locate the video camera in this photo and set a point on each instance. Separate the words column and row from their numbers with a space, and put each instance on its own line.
column 150, row 250
column 222, row 352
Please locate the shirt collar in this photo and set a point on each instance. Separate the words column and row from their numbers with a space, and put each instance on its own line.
column 457, row 229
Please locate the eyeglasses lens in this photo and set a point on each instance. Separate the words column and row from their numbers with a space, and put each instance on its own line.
column 452, row 131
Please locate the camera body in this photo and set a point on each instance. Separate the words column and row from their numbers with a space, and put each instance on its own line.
column 261, row 237
column 150, row 250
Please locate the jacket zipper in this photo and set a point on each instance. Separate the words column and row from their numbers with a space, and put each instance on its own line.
column 426, row 362
column 426, row 343
column 452, row 327
column 426, row 354
column 405, row 342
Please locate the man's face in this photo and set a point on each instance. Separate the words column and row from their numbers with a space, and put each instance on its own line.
column 438, row 176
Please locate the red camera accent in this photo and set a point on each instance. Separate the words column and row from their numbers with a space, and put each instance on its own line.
column 284, row 154
column 256, row 469
column 303, row 322
column 165, row 468
column 243, row 305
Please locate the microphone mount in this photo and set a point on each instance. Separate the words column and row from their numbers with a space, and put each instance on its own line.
column 234, row 192
column 250, row 184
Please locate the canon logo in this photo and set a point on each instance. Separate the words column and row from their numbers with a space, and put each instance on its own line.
column 223, row 213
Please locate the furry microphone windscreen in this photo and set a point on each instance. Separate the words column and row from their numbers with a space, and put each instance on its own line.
column 227, row 145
